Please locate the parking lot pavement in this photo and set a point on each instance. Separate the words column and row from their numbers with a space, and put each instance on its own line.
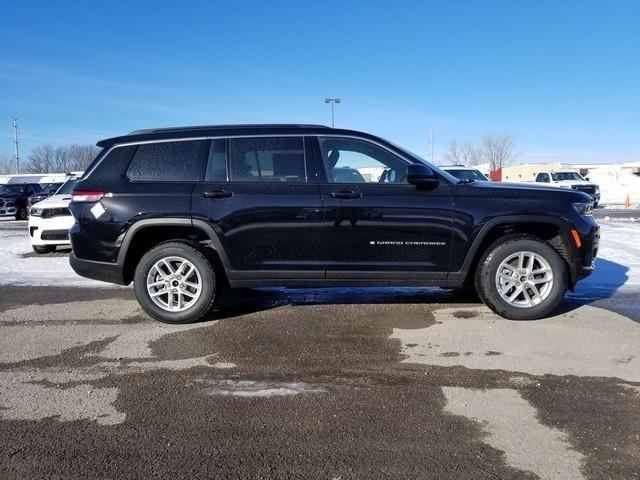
column 339, row 383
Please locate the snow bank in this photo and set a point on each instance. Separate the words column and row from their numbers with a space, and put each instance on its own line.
column 615, row 184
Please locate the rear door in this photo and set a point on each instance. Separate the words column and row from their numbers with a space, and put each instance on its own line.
column 266, row 210
column 377, row 224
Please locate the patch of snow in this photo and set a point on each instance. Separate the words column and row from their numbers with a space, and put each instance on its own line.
column 511, row 425
column 249, row 388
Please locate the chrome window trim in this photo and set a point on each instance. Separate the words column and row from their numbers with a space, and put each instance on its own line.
column 218, row 137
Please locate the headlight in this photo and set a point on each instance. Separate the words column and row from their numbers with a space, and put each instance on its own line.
column 597, row 189
column 36, row 212
column 584, row 208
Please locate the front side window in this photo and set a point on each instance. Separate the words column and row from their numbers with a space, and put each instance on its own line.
column 351, row 160
column 267, row 159
column 167, row 162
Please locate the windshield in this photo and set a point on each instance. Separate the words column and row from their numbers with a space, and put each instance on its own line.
column 4, row 189
column 51, row 188
column 67, row 187
column 470, row 174
column 560, row 176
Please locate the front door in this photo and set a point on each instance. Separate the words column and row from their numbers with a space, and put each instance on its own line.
column 374, row 220
column 266, row 213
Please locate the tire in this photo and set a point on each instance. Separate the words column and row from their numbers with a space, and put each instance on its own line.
column 44, row 248
column 22, row 213
column 151, row 270
column 525, row 305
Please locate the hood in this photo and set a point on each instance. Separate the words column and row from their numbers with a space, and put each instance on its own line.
column 514, row 190
column 9, row 196
column 55, row 201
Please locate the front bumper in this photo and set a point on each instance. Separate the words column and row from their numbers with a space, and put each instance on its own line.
column 585, row 256
column 50, row 231
column 8, row 211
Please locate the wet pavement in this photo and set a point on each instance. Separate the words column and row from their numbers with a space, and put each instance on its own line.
column 337, row 383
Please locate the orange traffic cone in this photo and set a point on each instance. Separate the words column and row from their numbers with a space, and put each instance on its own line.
column 627, row 202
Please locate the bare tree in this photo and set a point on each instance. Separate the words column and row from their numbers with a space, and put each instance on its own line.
column 464, row 153
column 41, row 159
column 49, row 159
column 498, row 149
column 7, row 164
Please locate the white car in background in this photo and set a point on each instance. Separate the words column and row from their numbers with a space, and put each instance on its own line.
column 50, row 219
column 465, row 173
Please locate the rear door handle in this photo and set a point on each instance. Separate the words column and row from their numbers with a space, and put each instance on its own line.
column 346, row 194
column 217, row 194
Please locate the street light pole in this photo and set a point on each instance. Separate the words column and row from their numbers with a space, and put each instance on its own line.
column 15, row 142
column 332, row 101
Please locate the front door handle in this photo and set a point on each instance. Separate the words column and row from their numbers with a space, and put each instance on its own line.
column 346, row 194
column 217, row 194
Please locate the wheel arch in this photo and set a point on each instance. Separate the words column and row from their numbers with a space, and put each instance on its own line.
column 145, row 234
column 554, row 230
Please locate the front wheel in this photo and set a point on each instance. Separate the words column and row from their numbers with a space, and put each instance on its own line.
column 44, row 248
column 521, row 278
column 22, row 213
column 175, row 283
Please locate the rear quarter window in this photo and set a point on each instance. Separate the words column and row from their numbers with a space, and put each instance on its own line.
column 168, row 162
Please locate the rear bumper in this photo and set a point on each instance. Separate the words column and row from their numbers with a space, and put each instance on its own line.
column 102, row 271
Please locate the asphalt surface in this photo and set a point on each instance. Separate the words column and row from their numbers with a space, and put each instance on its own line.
column 618, row 213
column 338, row 383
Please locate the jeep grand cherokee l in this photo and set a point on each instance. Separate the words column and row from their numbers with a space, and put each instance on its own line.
column 185, row 212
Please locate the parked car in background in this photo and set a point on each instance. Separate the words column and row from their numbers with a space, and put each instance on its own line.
column 48, row 189
column 50, row 219
column 186, row 212
column 570, row 179
column 15, row 199
column 465, row 173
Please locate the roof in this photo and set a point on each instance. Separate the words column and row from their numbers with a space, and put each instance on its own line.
column 214, row 130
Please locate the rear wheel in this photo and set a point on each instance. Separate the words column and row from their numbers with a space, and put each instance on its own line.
column 44, row 248
column 175, row 283
column 521, row 278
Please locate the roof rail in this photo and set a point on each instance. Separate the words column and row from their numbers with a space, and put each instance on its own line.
column 209, row 127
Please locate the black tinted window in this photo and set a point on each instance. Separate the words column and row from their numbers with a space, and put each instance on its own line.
column 217, row 165
column 271, row 159
column 167, row 161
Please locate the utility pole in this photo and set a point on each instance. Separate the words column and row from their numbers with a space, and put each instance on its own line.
column 431, row 143
column 15, row 142
column 332, row 101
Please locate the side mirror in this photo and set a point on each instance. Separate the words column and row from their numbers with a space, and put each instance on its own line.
column 586, row 178
column 421, row 176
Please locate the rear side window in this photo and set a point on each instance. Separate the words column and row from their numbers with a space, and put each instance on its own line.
column 168, row 162
column 267, row 159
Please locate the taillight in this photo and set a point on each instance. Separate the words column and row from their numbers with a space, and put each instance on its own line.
column 87, row 196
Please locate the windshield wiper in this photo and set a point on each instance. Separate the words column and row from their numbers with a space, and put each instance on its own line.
column 466, row 180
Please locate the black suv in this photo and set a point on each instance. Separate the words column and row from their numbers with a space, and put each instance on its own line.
column 185, row 212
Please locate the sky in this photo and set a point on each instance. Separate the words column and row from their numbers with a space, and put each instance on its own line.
column 562, row 77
